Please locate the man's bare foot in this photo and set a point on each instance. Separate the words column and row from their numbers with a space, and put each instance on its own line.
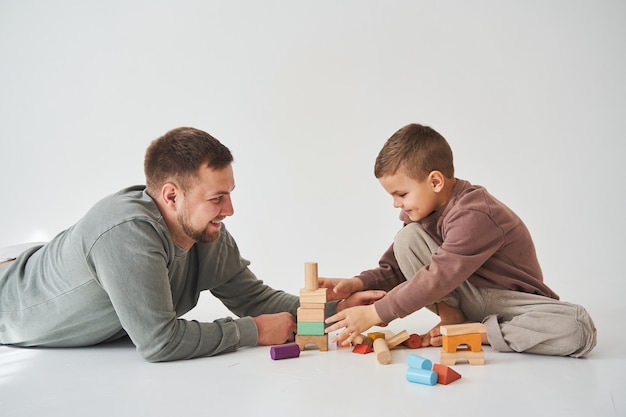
column 448, row 315
column 6, row 261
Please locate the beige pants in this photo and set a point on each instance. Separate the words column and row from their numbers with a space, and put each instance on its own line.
column 516, row 321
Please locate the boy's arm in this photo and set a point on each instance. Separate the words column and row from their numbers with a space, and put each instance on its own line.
column 386, row 276
column 471, row 239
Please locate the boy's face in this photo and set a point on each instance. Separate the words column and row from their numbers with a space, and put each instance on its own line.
column 416, row 198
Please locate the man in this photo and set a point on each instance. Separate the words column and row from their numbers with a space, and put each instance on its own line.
column 139, row 259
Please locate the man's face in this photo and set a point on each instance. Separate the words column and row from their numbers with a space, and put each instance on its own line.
column 206, row 204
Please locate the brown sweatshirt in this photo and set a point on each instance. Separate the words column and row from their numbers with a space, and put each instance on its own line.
column 480, row 239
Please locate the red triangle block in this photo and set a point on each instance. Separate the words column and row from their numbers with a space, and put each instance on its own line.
column 362, row 348
column 446, row 374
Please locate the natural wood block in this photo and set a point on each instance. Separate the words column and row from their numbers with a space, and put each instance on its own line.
column 313, row 305
column 313, row 296
column 450, row 358
column 310, row 276
column 397, row 339
column 464, row 328
column 310, row 314
column 320, row 341
column 382, row 351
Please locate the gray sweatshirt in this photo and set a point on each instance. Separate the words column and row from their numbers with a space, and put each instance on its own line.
column 117, row 272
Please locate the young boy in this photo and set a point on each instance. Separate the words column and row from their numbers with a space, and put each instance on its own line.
column 462, row 254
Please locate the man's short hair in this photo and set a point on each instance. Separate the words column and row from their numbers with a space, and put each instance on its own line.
column 177, row 155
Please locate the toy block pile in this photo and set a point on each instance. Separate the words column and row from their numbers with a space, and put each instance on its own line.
column 468, row 334
column 423, row 371
column 310, row 315
column 381, row 343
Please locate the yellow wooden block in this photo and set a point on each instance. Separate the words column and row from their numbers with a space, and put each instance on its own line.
column 376, row 335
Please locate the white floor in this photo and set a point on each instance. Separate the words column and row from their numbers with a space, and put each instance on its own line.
column 113, row 380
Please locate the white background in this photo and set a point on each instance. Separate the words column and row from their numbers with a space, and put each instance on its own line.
column 530, row 94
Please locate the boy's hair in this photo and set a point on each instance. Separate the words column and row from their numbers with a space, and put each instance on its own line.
column 416, row 151
column 177, row 156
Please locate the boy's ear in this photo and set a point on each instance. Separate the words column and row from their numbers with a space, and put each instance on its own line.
column 436, row 180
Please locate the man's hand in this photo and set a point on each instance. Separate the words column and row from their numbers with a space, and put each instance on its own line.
column 361, row 298
column 275, row 329
column 340, row 288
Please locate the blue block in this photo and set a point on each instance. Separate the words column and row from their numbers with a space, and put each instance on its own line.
column 421, row 376
column 419, row 362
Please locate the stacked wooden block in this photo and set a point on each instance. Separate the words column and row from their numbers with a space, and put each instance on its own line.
column 310, row 315
column 468, row 334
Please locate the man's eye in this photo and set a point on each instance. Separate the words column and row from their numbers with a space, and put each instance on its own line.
column 216, row 199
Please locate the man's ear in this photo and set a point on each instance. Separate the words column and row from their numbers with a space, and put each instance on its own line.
column 169, row 195
column 436, row 180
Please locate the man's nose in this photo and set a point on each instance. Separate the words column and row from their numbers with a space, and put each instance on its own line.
column 227, row 206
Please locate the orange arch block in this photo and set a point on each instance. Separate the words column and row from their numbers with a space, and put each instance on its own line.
column 472, row 340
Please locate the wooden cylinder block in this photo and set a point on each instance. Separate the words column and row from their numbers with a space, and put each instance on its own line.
column 382, row 351
column 310, row 276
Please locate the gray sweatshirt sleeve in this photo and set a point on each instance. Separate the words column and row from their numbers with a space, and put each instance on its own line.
column 131, row 262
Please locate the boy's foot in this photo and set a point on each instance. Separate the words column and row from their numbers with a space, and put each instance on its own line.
column 448, row 315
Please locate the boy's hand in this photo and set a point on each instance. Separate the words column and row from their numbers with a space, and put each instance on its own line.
column 355, row 320
column 340, row 288
column 275, row 329
column 360, row 298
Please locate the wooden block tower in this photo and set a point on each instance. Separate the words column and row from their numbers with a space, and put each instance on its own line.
column 468, row 334
column 311, row 311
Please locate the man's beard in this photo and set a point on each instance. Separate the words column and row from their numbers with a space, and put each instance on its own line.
column 202, row 235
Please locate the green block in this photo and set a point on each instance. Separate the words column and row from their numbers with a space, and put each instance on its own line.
column 311, row 328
